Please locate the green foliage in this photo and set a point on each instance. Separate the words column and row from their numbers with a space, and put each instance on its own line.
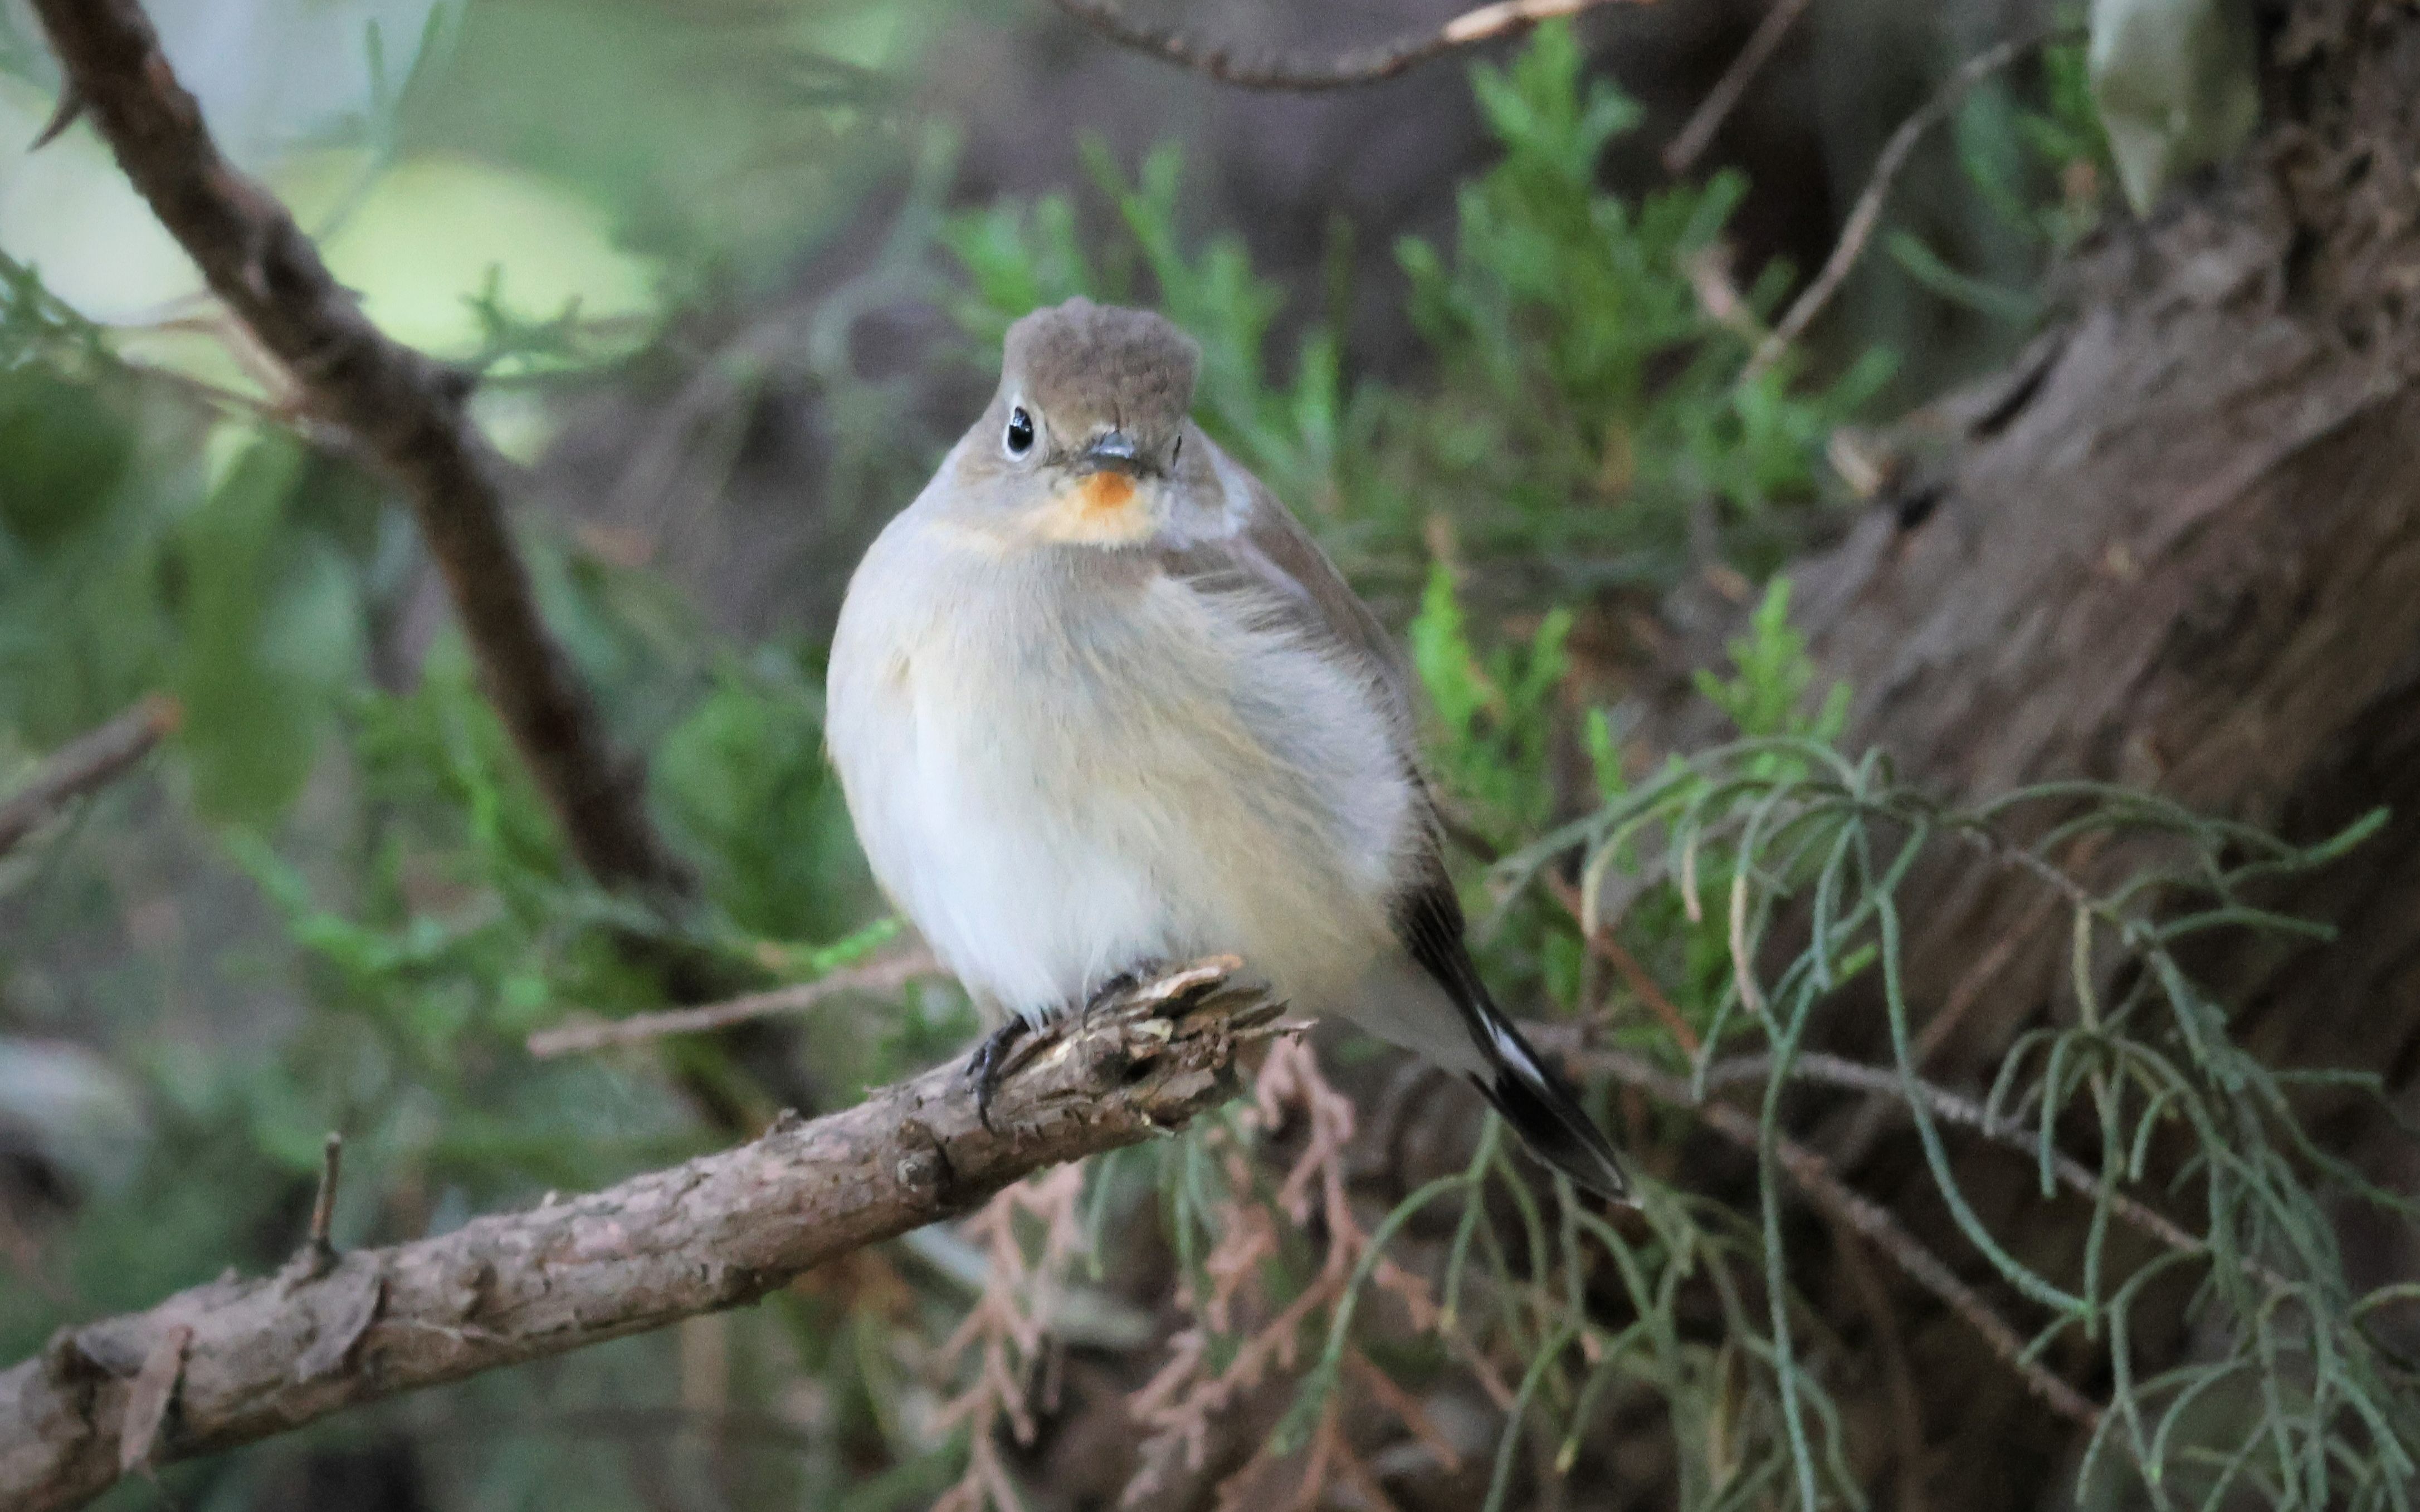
column 38, row 326
column 1787, row 820
column 1494, row 714
column 2040, row 174
column 269, row 635
column 1588, row 412
column 2060, row 141
column 1590, row 402
column 1766, row 694
column 743, row 780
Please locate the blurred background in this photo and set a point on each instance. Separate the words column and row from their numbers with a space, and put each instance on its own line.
column 732, row 274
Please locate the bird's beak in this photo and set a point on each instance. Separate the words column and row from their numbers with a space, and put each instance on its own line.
column 1112, row 451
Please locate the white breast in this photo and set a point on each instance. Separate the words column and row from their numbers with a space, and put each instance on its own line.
column 1061, row 772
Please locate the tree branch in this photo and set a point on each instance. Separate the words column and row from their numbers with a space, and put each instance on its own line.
column 406, row 409
column 1681, row 153
column 85, row 764
column 885, row 974
column 244, row 1359
column 1362, row 65
column 1868, row 212
column 1845, row 1205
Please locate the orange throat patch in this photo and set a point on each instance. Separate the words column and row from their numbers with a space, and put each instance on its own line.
column 1102, row 509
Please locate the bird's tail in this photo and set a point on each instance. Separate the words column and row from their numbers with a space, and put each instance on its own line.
column 1534, row 1099
column 1542, row 1107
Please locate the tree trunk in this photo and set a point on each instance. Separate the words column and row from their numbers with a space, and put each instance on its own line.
column 2177, row 546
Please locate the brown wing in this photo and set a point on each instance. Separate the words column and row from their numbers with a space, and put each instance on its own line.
column 1239, row 539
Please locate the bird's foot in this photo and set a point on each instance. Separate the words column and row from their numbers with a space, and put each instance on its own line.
column 1123, row 981
column 991, row 1063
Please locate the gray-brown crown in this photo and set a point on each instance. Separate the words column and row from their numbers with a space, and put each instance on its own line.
column 1090, row 366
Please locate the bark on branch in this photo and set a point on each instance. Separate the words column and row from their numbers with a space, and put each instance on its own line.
column 238, row 1360
column 405, row 409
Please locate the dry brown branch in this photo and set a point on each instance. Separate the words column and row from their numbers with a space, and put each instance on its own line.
column 1846, row 1205
column 1179, row 1404
column 1883, row 1080
column 1634, row 975
column 317, row 1253
column 1868, row 212
column 1362, row 65
column 85, row 764
column 887, row 973
column 1005, row 1329
column 406, row 409
column 1690, row 143
column 269, row 1354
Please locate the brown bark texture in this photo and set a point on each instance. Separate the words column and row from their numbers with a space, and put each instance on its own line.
column 2177, row 546
column 240, row 1359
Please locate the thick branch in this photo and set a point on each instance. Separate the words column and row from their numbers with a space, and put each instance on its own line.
column 235, row 1361
column 406, row 409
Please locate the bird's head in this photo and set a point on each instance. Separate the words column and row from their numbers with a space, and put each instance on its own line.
column 1085, row 442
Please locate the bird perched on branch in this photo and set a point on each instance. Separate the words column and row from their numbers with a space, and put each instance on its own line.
column 1097, row 701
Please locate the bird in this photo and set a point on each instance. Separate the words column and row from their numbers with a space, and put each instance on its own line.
column 1097, row 701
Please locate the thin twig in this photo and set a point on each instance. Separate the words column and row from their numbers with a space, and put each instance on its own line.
column 1682, row 151
column 1815, row 1176
column 318, row 1256
column 1361, row 66
column 217, row 400
column 719, row 1231
column 85, row 764
column 1867, row 1126
column 324, row 1204
column 65, row 114
column 1634, row 975
column 885, row 975
column 1868, row 212
column 1838, row 1070
column 407, row 410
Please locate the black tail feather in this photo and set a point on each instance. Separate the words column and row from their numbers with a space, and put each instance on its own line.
column 1544, row 1110
column 1535, row 1100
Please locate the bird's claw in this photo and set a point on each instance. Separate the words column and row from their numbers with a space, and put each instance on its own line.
column 990, row 1062
column 996, row 1056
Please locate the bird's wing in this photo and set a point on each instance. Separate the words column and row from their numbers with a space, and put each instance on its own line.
column 1239, row 539
column 1243, row 541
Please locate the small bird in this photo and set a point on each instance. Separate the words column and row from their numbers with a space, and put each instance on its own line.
column 1098, row 703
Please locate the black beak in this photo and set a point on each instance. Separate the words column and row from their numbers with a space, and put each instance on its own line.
column 1112, row 451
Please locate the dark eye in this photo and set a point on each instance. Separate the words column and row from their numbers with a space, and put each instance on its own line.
column 1178, row 450
column 1021, row 432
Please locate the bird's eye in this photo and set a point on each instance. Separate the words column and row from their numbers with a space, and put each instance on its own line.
column 1021, row 432
column 1178, row 450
